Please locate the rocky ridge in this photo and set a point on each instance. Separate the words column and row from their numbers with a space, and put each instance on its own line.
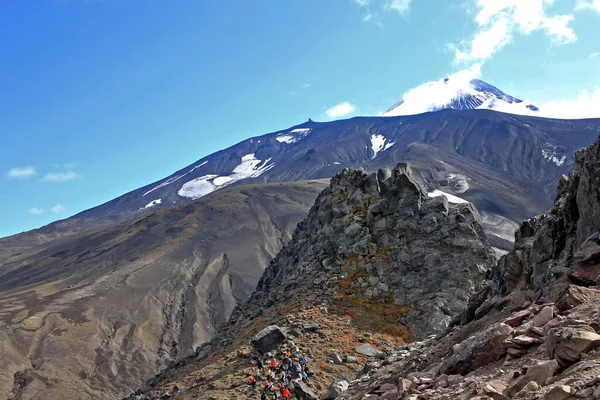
column 380, row 237
column 376, row 263
column 536, row 335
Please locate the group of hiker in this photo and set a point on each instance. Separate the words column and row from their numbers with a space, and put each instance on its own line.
column 279, row 374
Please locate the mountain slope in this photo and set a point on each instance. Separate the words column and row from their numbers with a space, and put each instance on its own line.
column 94, row 315
column 505, row 164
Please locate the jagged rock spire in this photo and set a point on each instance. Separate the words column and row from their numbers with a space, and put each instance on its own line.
column 380, row 237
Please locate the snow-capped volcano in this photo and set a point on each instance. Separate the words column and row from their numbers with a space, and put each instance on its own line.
column 458, row 92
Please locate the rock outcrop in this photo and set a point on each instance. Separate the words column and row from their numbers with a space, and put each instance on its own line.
column 376, row 263
column 268, row 339
column 382, row 238
column 564, row 243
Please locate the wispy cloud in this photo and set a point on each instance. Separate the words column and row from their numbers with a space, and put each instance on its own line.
column 588, row 5
column 21, row 172
column 36, row 211
column 499, row 20
column 340, row 110
column 399, row 6
column 595, row 54
column 59, row 208
column 301, row 88
column 59, row 176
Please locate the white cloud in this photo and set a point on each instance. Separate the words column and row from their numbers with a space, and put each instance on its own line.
column 21, row 172
column 585, row 105
column 59, row 176
column 588, row 5
column 435, row 94
column 399, row 6
column 340, row 110
column 36, row 211
column 499, row 20
column 59, row 208
column 595, row 54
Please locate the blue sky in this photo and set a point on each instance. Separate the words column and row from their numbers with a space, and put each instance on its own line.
column 100, row 97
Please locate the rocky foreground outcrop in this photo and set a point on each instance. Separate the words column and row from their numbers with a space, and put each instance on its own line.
column 561, row 245
column 376, row 263
column 537, row 335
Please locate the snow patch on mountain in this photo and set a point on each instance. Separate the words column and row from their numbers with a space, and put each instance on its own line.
column 152, row 204
column 378, row 143
column 293, row 136
column 174, row 179
column 250, row 167
column 451, row 198
column 460, row 91
column 553, row 157
column 198, row 187
column 222, row 180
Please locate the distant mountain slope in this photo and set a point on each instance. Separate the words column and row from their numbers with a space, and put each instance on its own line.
column 505, row 164
column 94, row 315
column 459, row 94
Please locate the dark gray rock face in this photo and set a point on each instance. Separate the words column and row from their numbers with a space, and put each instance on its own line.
column 388, row 241
column 562, row 243
column 268, row 339
column 481, row 349
column 303, row 392
column 369, row 350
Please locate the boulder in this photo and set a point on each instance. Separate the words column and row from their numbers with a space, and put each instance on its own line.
column 587, row 268
column 537, row 374
column 268, row 339
column 303, row 392
column 561, row 392
column 494, row 390
column 478, row 350
column 404, row 385
column 335, row 390
column 203, row 351
column 544, row 316
column 337, row 359
column 567, row 343
column 525, row 341
column 369, row 350
column 517, row 318
column 351, row 359
column 575, row 295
